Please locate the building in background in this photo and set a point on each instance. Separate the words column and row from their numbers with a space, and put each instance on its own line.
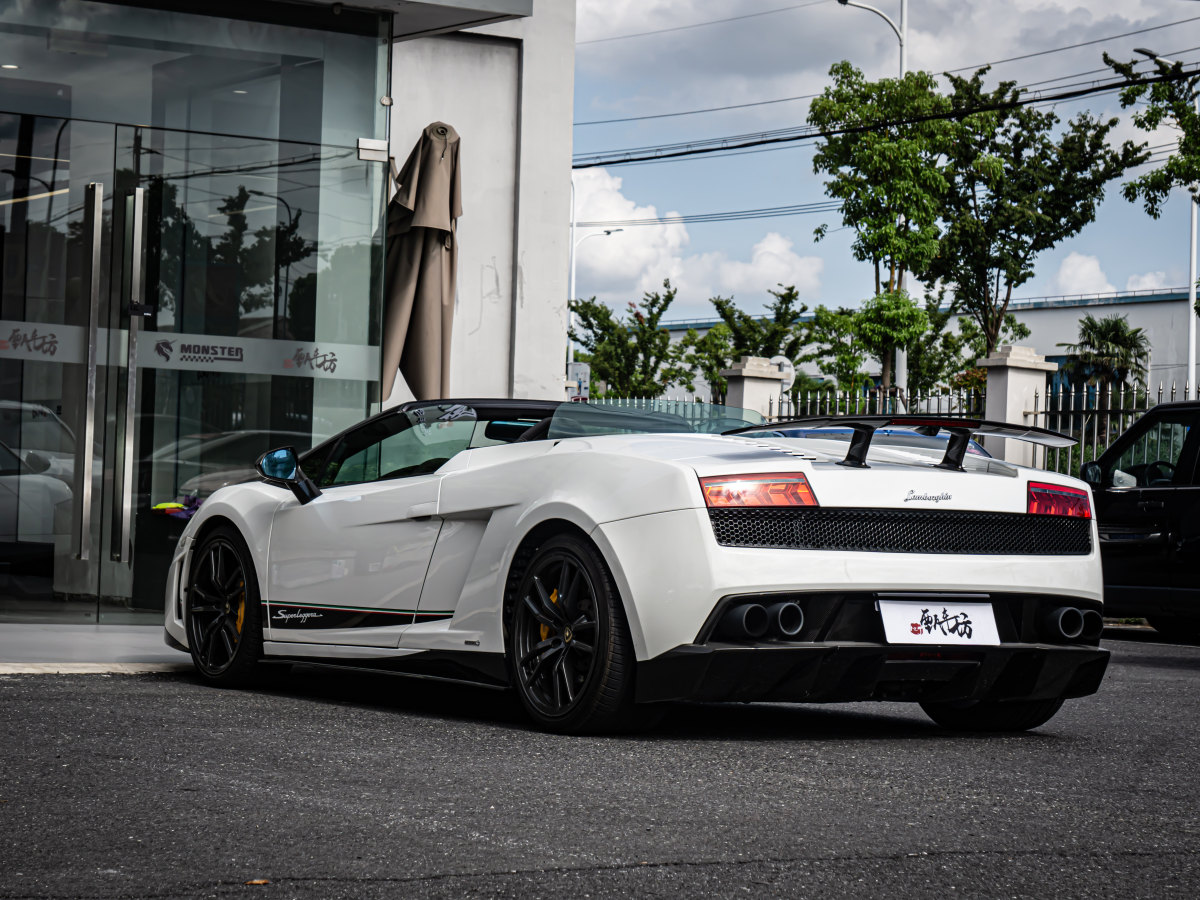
column 191, row 207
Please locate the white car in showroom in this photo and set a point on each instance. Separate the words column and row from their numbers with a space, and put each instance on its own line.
column 601, row 561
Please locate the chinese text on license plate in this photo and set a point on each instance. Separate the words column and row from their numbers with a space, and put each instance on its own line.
column 938, row 621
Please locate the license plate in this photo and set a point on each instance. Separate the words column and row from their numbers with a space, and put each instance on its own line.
column 938, row 622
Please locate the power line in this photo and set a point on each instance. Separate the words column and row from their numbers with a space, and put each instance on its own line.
column 1111, row 37
column 765, row 12
column 768, row 212
column 802, row 133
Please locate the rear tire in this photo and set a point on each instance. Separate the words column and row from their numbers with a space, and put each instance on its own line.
column 992, row 715
column 1177, row 628
column 222, row 614
column 569, row 653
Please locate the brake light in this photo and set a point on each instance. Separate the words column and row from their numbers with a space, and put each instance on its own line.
column 769, row 489
column 1056, row 500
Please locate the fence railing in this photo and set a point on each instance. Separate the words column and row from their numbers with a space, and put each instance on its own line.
column 889, row 402
column 1095, row 415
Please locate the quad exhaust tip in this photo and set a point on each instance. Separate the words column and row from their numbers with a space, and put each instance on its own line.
column 752, row 621
column 1066, row 623
column 787, row 618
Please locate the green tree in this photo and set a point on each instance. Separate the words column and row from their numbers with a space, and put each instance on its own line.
column 706, row 355
column 975, row 341
column 633, row 354
column 837, row 349
column 1172, row 103
column 885, row 168
column 887, row 321
column 1017, row 185
column 937, row 354
column 778, row 333
column 1109, row 353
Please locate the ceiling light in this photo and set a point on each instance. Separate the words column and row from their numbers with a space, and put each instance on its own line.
column 10, row 66
column 239, row 92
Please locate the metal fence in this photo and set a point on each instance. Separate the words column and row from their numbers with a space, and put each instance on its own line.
column 880, row 402
column 1095, row 416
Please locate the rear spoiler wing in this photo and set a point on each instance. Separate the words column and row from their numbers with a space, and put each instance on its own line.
column 959, row 429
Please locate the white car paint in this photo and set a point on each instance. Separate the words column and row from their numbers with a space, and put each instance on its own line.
column 447, row 540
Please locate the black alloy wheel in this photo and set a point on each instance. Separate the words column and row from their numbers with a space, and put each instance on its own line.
column 224, row 624
column 570, row 655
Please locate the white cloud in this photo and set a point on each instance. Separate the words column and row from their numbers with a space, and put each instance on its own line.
column 1080, row 274
column 1148, row 281
column 620, row 267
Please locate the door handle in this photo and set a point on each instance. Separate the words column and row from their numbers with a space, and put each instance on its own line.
column 1148, row 505
column 93, row 218
column 135, row 207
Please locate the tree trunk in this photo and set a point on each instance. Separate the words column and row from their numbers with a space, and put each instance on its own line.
column 886, row 372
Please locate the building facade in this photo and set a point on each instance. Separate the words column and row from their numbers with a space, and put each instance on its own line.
column 192, row 198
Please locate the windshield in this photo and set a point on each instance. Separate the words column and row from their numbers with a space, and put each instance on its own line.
column 647, row 417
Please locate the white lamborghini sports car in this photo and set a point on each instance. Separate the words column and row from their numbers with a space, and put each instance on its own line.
column 602, row 561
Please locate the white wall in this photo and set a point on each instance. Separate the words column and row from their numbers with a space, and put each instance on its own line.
column 508, row 91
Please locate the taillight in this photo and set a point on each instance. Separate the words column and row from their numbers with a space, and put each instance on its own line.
column 1056, row 500
column 771, row 489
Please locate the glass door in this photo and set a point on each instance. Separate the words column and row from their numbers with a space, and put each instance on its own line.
column 251, row 323
column 56, row 187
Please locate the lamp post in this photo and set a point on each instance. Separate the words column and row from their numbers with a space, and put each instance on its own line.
column 1189, row 382
column 901, row 32
column 574, row 253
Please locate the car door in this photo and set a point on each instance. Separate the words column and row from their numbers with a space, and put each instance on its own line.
column 348, row 567
column 1137, row 507
column 1184, row 513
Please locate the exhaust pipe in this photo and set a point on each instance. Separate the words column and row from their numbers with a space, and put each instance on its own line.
column 787, row 618
column 1064, row 623
column 1093, row 624
column 746, row 621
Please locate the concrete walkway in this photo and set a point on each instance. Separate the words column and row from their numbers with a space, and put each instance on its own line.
column 86, row 649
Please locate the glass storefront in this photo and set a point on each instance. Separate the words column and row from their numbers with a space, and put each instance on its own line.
column 190, row 273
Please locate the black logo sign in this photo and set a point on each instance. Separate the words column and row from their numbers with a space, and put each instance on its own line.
column 164, row 348
column 45, row 344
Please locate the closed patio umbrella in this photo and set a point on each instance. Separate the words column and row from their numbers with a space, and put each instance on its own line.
column 421, row 264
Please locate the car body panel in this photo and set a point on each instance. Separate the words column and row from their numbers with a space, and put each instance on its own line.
column 442, row 545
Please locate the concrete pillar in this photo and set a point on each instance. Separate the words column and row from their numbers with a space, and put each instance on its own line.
column 753, row 382
column 1013, row 374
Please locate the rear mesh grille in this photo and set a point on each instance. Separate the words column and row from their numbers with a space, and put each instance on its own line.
column 903, row 531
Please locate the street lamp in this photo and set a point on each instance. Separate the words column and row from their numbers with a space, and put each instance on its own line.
column 575, row 247
column 901, row 32
column 1190, row 380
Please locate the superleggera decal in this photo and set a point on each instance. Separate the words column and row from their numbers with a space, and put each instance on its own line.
column 329, row 616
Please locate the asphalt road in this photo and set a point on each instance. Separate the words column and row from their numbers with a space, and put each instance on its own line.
column 331, row 785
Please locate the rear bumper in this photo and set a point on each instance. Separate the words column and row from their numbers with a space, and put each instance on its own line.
column 829, row 672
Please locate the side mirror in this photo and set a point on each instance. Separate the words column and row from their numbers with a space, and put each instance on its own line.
column 282, row 467
column 36, row 462
column 1090, row 472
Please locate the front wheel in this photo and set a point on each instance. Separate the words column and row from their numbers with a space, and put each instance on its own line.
column 993, row 715
column 223, row 617
column 570, row 656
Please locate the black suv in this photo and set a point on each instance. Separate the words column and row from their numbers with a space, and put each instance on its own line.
column 1147, row 494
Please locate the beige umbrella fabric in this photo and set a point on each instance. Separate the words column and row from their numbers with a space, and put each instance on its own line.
column 421, row 265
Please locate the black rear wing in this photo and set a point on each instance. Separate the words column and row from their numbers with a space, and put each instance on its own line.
column 959, row 430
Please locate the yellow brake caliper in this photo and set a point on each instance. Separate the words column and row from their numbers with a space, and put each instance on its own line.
column 241, row 607
column 544, row 630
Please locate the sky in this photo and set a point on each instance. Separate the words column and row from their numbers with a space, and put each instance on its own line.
column 783, row 49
